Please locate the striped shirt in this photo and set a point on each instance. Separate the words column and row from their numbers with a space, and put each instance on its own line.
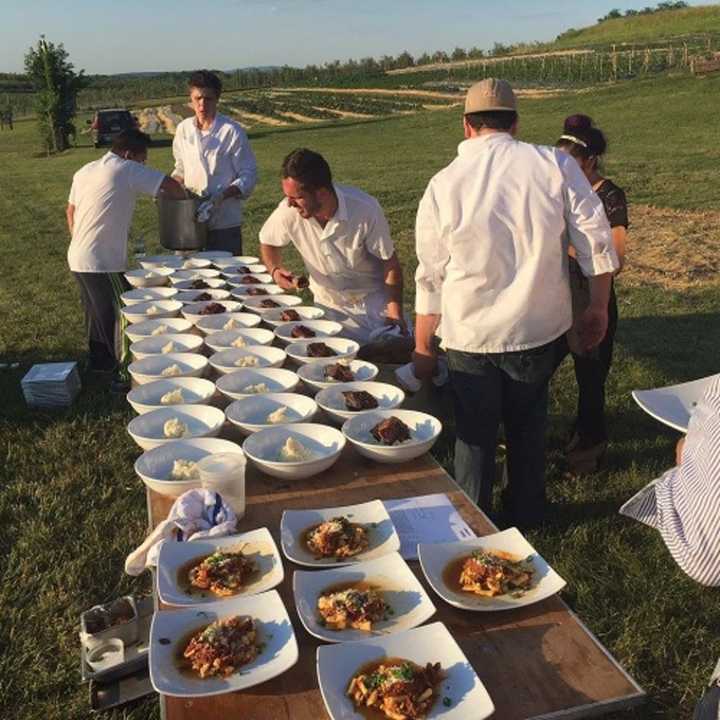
column 684, row 503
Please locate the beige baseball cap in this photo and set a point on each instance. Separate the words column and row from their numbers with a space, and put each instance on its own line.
column 490, row 94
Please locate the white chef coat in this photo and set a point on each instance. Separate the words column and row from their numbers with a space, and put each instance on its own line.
column 343, row 259
column 212, row 160
column 104, row 193
column 492, row 236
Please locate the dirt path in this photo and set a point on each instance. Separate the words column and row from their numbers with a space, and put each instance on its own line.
column 431, row 94
column 673, row 249
column 253, row 119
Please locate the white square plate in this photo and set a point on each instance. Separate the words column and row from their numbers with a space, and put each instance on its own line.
column 173, row 556
column 408, row 601
column 274, row 629
column 460, row 696
column 383, row 538
column 434, row 559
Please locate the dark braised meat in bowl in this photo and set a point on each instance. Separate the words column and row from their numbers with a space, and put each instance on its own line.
column 320, row 349
column 213, row 309
column 202, row 297
column 338, row 372
column 249, row 280
column 390, row 431
column 269, row 304
column 289, row 315
column 257, row 291
column 302, row 331
column 199, row 284
column 359, row 400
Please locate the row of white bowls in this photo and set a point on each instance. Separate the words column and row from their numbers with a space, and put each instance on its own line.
column 155, row 270
column 263, row 447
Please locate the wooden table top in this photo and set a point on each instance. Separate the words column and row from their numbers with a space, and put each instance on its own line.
column 536, row 662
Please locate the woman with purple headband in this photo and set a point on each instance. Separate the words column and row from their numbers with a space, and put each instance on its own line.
column 587, row 446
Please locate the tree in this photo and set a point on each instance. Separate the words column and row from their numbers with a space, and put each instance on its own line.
column 56, row 85
column 458, row 54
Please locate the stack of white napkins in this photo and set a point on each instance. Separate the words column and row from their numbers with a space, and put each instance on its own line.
column 51, row 384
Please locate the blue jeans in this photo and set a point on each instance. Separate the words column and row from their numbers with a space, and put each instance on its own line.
column 509, row 388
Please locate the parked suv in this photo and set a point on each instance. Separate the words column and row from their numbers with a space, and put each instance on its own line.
column 108, row 123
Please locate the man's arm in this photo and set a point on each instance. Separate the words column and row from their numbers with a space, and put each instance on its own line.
column 425, row 355
column 245, row 166
column 393, row 278
column 172, row 189
column 271, row 257
column 178, row 173
column 70, row 216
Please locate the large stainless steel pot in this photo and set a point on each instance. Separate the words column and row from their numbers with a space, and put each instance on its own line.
column 179, row 228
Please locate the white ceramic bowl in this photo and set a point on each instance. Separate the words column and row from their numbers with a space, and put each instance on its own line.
column 232, row 270
column 191, row 296
column 226, row 361
column 201, row 421
column 151, row 368
column 194, row 274
column 345, row 349
column 263, row 449
column 138, row 295
column 424, row 431
column 230, row 260
column 251, row 336
column 195, row 391
column 312, row 373
column 243, row 291
column 240, row 281
column 254, row 303
column 227, row 321
column 306, row 312
column 181, row 343
column 212, row 284
column 172, row 262
column 322, row 329
column 154, row 466
column 251, row 413
column 213, row 254
column 331, row 399
column 192, row 311
column 143, row 277
column 193, row 263
column 138, row 331
column 144, row 310
column 235, row 384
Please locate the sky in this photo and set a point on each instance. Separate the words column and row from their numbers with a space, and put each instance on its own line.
column 107, row 36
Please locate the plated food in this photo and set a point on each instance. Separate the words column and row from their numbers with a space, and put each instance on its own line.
column 418, row 673
column 303, row 351
column 208, row 570
column 176, row 421
column 320, row 374
column 305, row 329
column 263, row 409
column 224, row 646
column 167, row 365
column 251, row 356
column 165, row 344
column 247, row 382
column 294, row 451
column 397, row 688
column 338, row 536
column 151, row 310
column 496, row 572
column 352, row 602
column 342, row 401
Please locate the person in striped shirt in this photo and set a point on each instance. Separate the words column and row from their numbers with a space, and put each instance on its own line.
column 684, row 503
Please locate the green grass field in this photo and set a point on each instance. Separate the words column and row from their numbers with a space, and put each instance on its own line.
column 639, row 29
column 71, row 507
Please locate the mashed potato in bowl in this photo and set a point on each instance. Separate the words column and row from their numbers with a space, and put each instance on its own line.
column 175, row 428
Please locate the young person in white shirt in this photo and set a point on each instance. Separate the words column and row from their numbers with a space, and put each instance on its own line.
column 99, row 212
column 344, row 240
column 213, row 157
column 491, row 238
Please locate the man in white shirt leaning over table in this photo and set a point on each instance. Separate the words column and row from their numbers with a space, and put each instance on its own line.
column 492, row 236
column 99, row 212
column 344, row 240
column 213, row 158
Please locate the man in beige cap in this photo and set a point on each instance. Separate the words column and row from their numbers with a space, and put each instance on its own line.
column 492, row 237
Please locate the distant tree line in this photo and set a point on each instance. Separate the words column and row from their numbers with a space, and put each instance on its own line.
column 660, row 7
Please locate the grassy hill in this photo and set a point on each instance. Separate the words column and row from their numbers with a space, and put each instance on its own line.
column 643, row 29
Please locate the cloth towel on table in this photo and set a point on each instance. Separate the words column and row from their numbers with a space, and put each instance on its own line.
column 195, row 515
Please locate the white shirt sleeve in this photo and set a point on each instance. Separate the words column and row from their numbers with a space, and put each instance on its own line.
column 587, row 224
column 143, row 179
column 274, row 231
column 73, row 192
column 244, row 165
column 433, row 255
column 177, row 149
column 378, row 241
